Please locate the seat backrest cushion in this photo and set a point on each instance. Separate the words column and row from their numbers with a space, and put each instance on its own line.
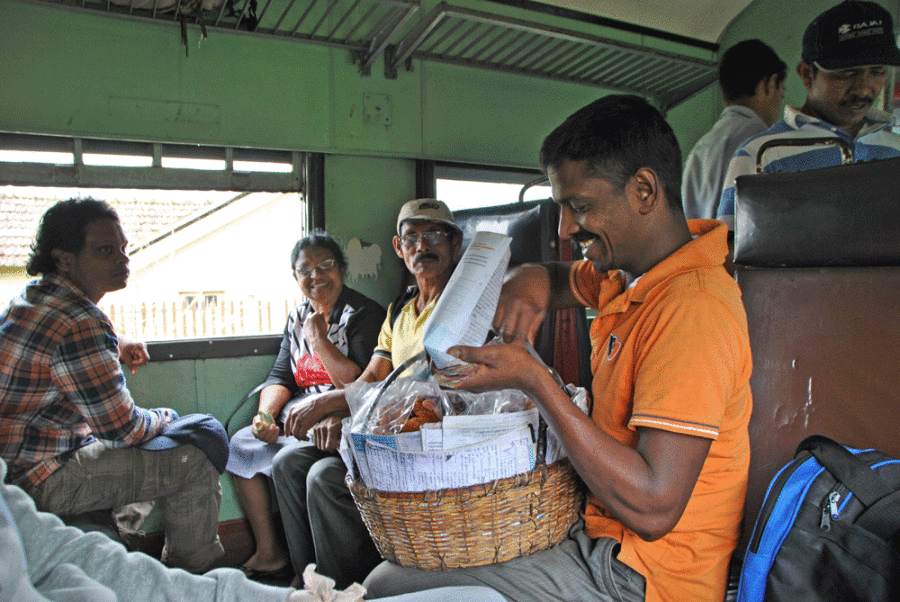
column 843, row 215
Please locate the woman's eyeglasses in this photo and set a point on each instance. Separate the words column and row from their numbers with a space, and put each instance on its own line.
column 322, row 267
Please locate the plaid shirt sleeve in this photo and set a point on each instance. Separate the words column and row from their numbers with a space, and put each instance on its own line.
column 85, row 368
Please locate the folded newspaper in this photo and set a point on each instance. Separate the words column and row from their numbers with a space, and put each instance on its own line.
column 465, row 310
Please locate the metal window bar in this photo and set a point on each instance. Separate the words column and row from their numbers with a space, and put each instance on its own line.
column 155, row 176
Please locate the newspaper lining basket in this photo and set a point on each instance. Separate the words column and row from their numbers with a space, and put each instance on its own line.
column 476, row 525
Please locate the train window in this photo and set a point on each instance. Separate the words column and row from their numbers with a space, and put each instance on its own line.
column 210, row 230
column 466, row 187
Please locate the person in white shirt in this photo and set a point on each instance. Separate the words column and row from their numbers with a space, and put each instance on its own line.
column 43, row 560
column 847, row 55
column 752, row 80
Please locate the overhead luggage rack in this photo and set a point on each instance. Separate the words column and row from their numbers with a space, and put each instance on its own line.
column 358, row 25
column 374, row 29
column 471, row 38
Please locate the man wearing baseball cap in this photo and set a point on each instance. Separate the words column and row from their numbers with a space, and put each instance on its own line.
column 848, row 52
column 428, row 241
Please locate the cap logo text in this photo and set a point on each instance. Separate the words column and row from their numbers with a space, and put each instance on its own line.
column 848, row 31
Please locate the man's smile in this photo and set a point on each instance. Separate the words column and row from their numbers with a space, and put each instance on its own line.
column 584, row 240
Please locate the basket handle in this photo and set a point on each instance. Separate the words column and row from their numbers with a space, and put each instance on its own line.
column 391, row 378
column 541, row 457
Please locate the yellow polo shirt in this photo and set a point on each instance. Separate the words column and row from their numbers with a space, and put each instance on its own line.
column 404, row 340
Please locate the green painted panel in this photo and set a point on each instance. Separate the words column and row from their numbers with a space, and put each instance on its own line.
column 119, row 78
column 375, row 113
column 165, row 385
column 223, row 383
column 363, row 196
column 492, row 117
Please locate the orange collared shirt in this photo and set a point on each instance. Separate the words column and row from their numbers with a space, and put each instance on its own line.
column 672, row 352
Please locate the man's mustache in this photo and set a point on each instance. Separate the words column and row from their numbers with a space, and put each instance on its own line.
column 856, row 99
column 420, row 256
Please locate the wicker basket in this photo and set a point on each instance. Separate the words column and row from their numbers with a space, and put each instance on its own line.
column 473, row 526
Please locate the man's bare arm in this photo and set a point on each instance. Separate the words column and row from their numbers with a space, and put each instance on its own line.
column 528, row 293
column 646, row 488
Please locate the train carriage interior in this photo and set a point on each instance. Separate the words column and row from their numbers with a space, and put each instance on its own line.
column 291, row 115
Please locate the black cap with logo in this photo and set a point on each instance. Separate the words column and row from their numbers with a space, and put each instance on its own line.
column 852, row 34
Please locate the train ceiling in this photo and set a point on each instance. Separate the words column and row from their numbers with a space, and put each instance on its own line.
column 699, row 19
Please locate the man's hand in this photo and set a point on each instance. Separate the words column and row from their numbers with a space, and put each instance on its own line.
column 304, row 415
column 523, row 303
column 133, row 354
column 326, row 434
column 264, row 429
column 500, row 367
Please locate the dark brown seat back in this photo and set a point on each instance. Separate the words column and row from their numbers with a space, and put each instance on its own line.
column 825, row 340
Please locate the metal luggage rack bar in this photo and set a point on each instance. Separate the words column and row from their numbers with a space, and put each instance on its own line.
column 472, row 38
column 363, row 26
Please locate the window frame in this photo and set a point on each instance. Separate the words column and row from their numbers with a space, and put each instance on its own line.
column 488, row 174
column 306, row 177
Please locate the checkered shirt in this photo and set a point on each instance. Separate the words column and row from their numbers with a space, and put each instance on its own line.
column 61, row 384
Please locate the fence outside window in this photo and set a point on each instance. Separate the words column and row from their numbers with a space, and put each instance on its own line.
column 170, row 320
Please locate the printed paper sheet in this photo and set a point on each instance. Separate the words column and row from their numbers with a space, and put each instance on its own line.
column 504, row 456
column 465, row 310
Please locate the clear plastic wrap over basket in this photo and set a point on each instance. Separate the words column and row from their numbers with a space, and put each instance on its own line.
column 387, row 410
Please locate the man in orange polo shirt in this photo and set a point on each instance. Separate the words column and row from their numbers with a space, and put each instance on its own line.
column 665, row 451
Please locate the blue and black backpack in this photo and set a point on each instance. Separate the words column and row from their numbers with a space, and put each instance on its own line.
column 829, row 529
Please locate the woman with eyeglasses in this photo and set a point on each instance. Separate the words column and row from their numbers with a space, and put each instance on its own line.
column 328, row 339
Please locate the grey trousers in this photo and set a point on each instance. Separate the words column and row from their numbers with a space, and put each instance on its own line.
column 182, row 479
column 578, row 569
column 321, row 521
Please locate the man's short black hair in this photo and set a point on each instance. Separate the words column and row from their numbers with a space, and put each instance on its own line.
column 64, row 226
column 744, row 65
column 617, row 135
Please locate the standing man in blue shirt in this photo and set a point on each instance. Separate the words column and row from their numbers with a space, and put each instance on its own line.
column 752, row 80
column 848, row 52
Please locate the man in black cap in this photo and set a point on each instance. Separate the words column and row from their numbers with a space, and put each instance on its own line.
column 848, row 52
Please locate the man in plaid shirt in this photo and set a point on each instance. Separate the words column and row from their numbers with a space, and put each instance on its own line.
column 69, row 429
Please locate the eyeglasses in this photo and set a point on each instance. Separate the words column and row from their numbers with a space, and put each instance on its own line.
column 432, row 237
column 322, row 267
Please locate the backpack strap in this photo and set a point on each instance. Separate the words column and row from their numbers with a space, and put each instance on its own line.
column 401, row 301
column 866, row 484
column 883, row 517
